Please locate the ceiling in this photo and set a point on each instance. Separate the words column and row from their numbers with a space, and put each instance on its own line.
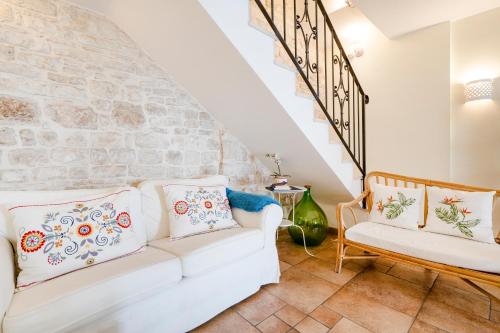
column 398, row 17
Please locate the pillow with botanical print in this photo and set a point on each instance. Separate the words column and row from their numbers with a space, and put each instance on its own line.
column 396, row 206
column 195, row 210
column 58, row 238
column 463, row 214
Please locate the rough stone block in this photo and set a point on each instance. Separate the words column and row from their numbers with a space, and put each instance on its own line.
column 103, row 89
column 192, row 158
column 147, row 171
column 14, row 176
column 149, row 156
column 156, row 109
column 99, row 156
column 122, row 155
column 150, row 140
column 47, row 138
column 6, row 52
column 78, row 172
column 174, row 157
column 69, row 156
column 28, row 157
column 108, row 171
column 71, row 116
column 40, row 6
column 7, row 137
column 6, row 14
column 49, row 173
column 18, row 110
column 27, row 137
column 128, row 115
column 66, row 79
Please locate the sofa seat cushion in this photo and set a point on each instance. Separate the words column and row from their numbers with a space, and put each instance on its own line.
column 71, row 300
column 439, row 248
column 208, row 251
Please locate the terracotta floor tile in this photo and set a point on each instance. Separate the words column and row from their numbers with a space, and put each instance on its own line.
column 347, row 326
column 423, row 327
column 398, row 294
column 284, row 266
column 368, row 313
column 386, row 262
column 302, row 290
column 328, row 254
column 455, row 282
column 309, row 325
column 293, row 330
column 454, row 320
column 259, row 306
column 495, row 316
column 461, row 299
column 326, row 316
column 329, row 243
column 325, row 270
column 495, row 304
column 290, row 315
column 273, row 325
column 227, row 322
column 291, row 253
column 418, row 275
column 353, row 266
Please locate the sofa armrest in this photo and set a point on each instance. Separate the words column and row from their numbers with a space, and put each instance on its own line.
column 7, row 276
column 267, row 220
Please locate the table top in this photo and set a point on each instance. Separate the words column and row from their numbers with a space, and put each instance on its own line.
column 299, row 189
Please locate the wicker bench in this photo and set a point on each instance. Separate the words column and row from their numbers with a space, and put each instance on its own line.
column 466, row 259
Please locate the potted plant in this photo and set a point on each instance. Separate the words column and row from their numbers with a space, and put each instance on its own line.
column 279, row 178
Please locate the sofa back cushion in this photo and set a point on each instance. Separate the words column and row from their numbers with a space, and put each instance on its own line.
column 459, row 213
column 60, row 237
column 154, row 204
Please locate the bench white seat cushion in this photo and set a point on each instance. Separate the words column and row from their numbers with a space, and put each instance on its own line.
column 70, row 301
column 439, row 248
column 201, row 253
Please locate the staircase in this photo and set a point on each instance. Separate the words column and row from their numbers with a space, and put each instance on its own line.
column 228, row 55
column 305, row 45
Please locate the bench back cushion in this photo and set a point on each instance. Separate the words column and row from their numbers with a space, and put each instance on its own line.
column 154, row 204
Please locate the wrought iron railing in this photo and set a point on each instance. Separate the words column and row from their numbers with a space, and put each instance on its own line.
column 308, row 37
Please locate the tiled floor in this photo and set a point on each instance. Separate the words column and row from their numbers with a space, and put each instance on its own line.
column 368, row 296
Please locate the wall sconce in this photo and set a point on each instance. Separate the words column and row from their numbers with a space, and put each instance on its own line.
column 478, row 89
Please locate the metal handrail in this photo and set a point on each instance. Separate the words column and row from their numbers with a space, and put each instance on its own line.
column 343, row 89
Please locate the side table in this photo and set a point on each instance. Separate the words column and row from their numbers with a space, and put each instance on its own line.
column 286, row 222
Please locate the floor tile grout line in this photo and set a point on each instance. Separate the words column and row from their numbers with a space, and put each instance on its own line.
column 422, row 305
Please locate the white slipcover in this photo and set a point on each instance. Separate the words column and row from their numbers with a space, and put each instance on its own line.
column 57, row 304
column 439, row 248
column 201, row 253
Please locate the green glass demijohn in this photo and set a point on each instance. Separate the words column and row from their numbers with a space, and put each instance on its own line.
column 312, row 219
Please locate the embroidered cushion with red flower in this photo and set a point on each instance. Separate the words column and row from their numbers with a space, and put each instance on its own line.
column 397, row 206
column 197, row 209
column 54, row 239
column 462, row 214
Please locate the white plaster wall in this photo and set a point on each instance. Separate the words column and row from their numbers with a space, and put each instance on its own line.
column 475, row 126
column 407, row 79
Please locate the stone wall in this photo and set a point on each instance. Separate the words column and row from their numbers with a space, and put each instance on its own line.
column 82, row 106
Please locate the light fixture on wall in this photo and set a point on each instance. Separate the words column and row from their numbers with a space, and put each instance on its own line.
column 478, row 89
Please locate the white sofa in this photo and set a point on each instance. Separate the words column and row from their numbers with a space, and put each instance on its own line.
column 173, row 286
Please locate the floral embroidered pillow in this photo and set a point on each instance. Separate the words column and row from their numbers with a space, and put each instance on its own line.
column 397, row 206
column 55, row 239
column 197, row 209
column 462, row 214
